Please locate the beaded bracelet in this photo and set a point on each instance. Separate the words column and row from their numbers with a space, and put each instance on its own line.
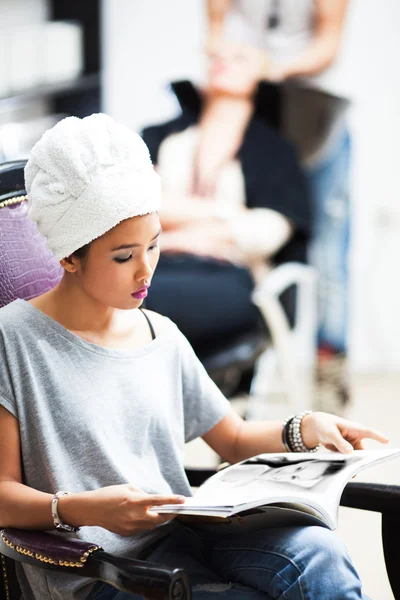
column 295, row 439
column 292, row 439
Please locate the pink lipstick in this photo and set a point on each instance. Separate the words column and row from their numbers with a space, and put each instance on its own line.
column 140, row 294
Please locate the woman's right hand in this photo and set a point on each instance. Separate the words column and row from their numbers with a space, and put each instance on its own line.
column 122, row 509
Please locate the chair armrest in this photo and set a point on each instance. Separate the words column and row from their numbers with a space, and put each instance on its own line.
column 266, row 296
column 59, row 553
column 48, row 548
column 198, row 475
column 295, row 347
column 375, row 497
column 385, row 499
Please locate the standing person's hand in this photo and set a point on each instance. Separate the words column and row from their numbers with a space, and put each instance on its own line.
column 122, row 509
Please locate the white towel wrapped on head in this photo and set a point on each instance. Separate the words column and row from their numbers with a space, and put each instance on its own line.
column 84, row 176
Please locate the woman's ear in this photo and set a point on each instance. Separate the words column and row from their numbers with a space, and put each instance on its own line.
column 70, row 264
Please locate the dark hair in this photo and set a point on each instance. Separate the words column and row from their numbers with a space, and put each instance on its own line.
column 82, row 252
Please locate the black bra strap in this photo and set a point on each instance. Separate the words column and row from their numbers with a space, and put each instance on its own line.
column 153, row 334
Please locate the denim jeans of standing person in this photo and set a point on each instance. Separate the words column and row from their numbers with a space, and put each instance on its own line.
column 289, row 563
column 329, row 186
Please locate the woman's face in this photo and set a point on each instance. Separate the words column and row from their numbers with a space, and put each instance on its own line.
column 233, row 71
column 120, row 264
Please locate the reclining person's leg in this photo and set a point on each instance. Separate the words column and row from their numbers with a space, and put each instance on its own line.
column 209, row 301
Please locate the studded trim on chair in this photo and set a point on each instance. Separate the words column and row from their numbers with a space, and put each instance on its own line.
column 5, row 577
column 48, row 559
column 15, row 200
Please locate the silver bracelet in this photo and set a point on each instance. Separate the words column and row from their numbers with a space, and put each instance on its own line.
column 295, row 439
column 58, row 524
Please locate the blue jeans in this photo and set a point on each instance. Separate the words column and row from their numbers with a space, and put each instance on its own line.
column 329, row 184
column 291, row 563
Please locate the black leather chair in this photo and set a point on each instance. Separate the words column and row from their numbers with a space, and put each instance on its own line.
column 36, row 273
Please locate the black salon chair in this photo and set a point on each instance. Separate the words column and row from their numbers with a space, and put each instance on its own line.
column 27, row 268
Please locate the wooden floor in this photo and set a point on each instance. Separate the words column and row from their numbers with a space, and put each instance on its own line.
column 375, row 401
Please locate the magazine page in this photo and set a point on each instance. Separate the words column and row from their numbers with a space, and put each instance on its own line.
column 313, row 480
column 304, row 479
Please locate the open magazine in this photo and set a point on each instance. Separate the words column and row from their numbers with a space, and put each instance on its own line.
column 296, row 488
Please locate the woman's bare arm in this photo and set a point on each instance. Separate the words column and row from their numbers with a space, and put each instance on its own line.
column 324, row 47
column 216, row 12
column 20, row 505
column 316, row 57
column 184, row 210
column 122, row 509
column 235, row 439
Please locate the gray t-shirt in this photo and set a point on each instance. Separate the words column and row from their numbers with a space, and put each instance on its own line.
column 91, row 417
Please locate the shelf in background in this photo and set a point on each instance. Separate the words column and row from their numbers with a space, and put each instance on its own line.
column 80, row 84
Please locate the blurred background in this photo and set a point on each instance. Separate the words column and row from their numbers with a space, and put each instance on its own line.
column 120, row 56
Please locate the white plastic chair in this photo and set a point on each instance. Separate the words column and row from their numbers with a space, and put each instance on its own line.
column 293, row 351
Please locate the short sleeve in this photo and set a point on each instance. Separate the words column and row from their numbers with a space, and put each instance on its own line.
column 203, row 403
column 8, row 404
column 7, row 398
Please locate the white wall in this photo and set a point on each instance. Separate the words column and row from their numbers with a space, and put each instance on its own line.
column 15, row 14
column 375, row 119
column 145, row 47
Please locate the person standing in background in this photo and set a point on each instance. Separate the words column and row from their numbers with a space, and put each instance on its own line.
column 296, row 43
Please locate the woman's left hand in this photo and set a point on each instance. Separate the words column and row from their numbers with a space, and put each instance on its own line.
column 336, row 433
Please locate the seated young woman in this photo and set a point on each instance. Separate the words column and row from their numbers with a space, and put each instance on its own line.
column 98, row 397
column 234, row 201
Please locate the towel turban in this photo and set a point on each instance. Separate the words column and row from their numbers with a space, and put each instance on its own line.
column 84, row 176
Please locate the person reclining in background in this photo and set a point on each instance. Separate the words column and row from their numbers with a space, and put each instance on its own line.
column 226, row 214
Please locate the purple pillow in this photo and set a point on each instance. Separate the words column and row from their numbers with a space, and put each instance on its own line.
column 27, row 267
